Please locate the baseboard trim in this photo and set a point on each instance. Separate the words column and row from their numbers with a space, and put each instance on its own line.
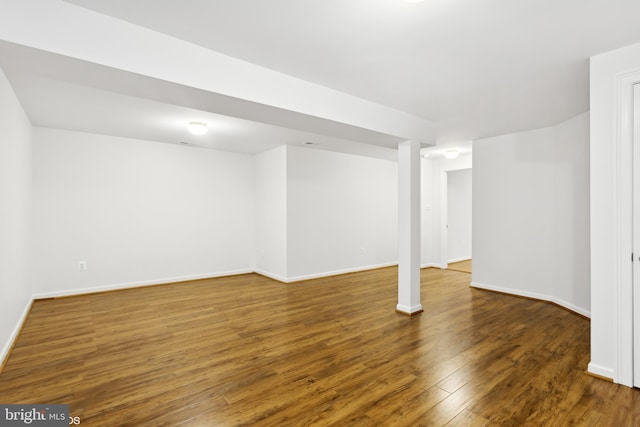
column 122, row 286
column 338, row 272
column 430, row 265
column 283, row 279
column 273, row 276
column 409, row 311
column 533, row 295
column 8, row 347
column 600, row 372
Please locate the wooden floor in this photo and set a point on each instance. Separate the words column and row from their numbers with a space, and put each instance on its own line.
column 464, row 266
column 250, row 351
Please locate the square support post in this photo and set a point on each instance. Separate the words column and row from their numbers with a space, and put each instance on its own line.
column 409, row 236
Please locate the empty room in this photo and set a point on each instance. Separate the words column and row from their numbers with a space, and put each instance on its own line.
column 292, row 213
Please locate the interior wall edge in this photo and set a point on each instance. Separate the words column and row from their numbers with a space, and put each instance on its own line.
column 8, row 346
column 542, row 297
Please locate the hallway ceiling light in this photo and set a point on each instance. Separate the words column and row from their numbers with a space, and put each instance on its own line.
column 197, row 128
column 451, row 154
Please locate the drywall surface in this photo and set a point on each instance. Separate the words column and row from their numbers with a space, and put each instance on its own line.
column 342, row 212
column 15, row 199
column 271, row 212
column 512, row 223
column 428, row 207
column 571, row 253
column 459, row 213
column 530, row 214
column 136, row 212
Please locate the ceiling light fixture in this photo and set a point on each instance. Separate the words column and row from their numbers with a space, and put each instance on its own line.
column 451, row 154
column 197, row 128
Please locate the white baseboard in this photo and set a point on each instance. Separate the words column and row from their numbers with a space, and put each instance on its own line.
column 600, row 371
column 14, row 334
column 409, row 310
column 451, row 261
column 334, row 273
column 120, row 286
column 430, row 264
column 555, row 300
column 271, row 275
column 338, row 272
column 115, row 287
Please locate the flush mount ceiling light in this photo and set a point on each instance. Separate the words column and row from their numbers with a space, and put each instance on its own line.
column 451, row 154
column 197, row 128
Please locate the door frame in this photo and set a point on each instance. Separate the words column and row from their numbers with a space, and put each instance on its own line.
column 622, row 192
column 636, row 236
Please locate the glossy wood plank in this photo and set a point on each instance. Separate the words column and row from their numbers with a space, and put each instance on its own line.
column 247, row 350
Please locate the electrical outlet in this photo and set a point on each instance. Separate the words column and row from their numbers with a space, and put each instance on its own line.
column 82, row 265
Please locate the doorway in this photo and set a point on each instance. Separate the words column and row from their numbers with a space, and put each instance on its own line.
column 456, row 220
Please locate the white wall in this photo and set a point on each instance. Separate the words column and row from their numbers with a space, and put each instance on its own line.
column 606, row 192
column 15, row 195
column 137, row 212
column 271, row 212
column 530, row 214
column 571, row 276
column 141, row 212
column 429, row 206
column 512, row 206
column 459, row 215
column 342, row 212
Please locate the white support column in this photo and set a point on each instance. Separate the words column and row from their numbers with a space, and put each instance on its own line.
column 409, row 228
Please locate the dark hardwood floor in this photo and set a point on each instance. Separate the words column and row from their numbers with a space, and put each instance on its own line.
column 247, row 350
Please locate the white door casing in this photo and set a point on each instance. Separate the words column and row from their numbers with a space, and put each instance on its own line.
column 636, row 236
column 622, row 194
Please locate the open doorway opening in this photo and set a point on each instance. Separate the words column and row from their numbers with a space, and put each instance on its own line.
column 457, row 224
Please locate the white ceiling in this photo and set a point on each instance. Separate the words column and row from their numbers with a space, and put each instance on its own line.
column 66, row 93
column 59, row 104
column 478, row 68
